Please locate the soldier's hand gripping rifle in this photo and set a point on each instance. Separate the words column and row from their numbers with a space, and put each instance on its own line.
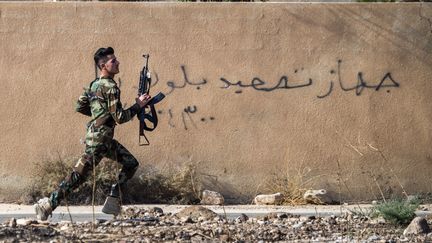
column 150, row 114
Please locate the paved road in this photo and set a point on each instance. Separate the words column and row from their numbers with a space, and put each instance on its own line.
column 85, row 213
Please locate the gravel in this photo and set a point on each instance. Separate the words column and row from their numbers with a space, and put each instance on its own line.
column 149, row 225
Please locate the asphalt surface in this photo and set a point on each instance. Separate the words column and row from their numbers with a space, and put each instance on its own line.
column 85, row 213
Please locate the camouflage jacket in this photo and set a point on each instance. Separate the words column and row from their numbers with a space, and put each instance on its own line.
column 101, row 101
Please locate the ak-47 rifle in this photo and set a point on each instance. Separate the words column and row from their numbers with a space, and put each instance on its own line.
column 151, row 116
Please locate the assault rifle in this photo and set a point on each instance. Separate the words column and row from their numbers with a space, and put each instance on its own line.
column 150, row 114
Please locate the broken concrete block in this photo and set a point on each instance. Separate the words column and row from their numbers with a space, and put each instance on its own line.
column 212, row 198
column 317, row 196
column 417, row 226
column 25, row 222
column 268, row 199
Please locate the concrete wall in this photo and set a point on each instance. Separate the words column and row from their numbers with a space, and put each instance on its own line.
column 253, row 90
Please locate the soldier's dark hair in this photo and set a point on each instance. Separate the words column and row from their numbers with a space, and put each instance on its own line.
column 101, row 53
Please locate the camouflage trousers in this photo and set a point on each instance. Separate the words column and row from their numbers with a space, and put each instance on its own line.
column 93, row 154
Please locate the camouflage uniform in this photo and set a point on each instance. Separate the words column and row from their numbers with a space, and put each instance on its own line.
column 101, row 101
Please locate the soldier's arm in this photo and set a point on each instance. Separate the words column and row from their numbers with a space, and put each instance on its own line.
column 116, row 110
column 83, row 105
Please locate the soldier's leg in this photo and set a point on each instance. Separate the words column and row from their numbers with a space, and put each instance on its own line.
column 45, row 206
column 79, row 174
column 129, row 167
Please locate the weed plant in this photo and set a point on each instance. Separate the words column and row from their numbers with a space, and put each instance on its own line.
column 292, row 185
column 397, row 211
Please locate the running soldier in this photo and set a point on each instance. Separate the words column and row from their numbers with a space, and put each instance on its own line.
column 101, row 102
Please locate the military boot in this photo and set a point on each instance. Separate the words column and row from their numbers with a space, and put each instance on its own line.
column 112, row 206
column 43, row 209
column 112, row 202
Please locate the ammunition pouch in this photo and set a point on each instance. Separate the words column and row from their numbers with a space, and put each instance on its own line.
column 106, row 120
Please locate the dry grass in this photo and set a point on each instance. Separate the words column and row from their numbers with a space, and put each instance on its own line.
column 48, row 174
column 176, row 185
column 292, row 185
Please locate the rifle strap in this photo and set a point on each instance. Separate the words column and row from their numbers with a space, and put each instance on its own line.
column 152, row 117
column 141, row 134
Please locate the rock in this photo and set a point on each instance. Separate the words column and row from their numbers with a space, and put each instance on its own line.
column 317, row 197
column 330, row 220
column 218, row 218
column 268, row 199
column 64, row 228
column 219, row 231
column 261, row 222
column 100, row 221
column 40, row 222
column 224, row 238
column 373, row 238
column 379, row 220
column 298, row 225
column 156, row 210
column 25, row 222
column 418, row 225
column 12, row 223
column 201, row 219
column 304, row 218
column 212, row 198
column 282, row 215
column 195, row 212
column 242, row 218
column 126, row 224
column 64, row 222
column 275, row 215
column 271, row 215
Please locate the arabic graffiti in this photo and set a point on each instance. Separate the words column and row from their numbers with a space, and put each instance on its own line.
column 257, row 83
column 361, row 83
column 186, row 80
column 187, row 119
column 284, row 83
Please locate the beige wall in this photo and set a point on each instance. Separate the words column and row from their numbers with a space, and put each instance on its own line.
column 317, row 123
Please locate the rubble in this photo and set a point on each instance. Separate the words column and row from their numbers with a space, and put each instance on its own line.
column 197, row 223
column 196, row 213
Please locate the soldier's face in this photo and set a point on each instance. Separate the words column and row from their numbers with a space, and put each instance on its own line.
column 112, row 65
